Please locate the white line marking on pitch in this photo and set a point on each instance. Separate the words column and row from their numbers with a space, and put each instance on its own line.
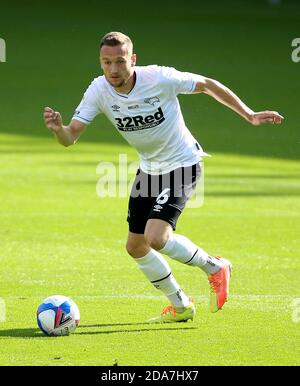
column 249, row 297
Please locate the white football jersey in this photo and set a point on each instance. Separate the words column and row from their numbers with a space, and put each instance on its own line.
column 149, row 117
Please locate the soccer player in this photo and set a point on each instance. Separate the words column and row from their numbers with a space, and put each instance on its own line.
column 141, row 102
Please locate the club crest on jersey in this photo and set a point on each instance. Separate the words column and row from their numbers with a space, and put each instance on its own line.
column 139, row 122
column 152, row 100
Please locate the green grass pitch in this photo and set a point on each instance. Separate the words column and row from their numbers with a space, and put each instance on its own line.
column 58, row 237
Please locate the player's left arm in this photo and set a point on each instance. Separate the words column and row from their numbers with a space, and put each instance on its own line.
column 225, row 96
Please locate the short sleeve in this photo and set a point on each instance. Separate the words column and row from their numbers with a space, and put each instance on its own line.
column 89, row 107
column 180, row 82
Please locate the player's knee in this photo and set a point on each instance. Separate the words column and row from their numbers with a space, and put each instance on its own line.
column 131, row 248
column 156, row 241
column 136, row 250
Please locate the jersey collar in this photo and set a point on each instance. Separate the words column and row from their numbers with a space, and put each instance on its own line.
column 126, row 96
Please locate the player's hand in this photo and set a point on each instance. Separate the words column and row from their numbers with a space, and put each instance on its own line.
column 53, row 119
column 265, row 117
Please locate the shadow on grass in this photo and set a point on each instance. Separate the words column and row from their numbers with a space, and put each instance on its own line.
column 255, row 194
column 22, row 333
column 154, row 327
column 280, row 192
column 138, row 330
column 36, row 333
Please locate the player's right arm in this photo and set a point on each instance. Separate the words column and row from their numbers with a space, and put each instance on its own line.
column 66, row 135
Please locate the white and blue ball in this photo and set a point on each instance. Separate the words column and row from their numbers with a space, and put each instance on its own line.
column 58, row 315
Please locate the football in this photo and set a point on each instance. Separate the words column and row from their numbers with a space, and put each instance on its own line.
column 58, row 315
